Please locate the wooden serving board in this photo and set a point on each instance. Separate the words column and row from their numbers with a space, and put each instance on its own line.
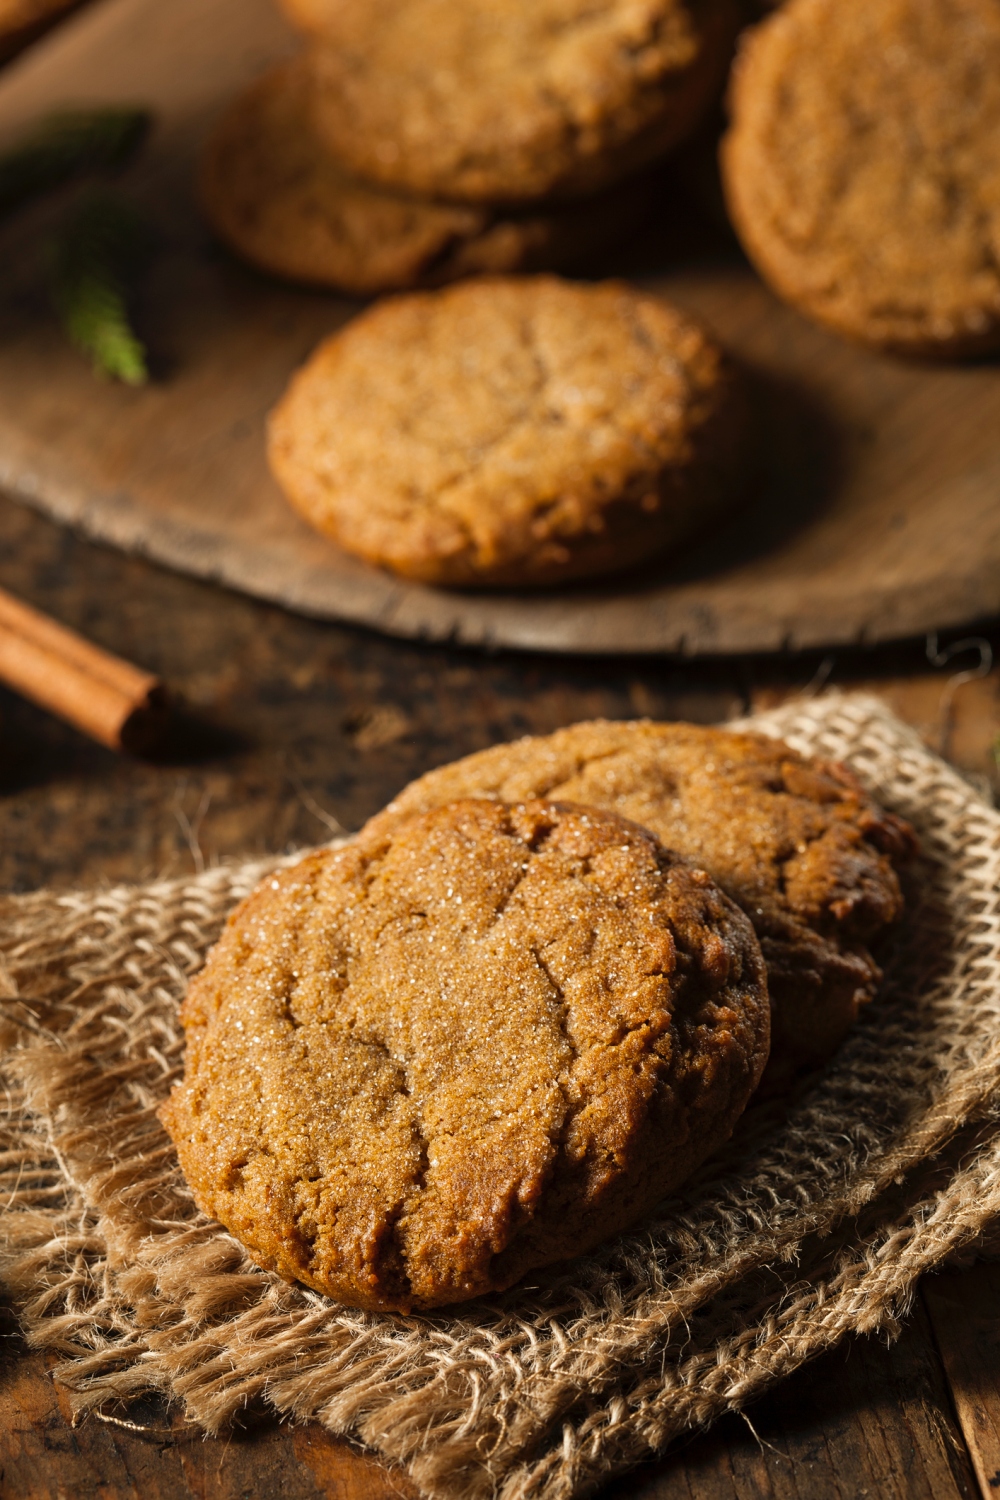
column 876, row 515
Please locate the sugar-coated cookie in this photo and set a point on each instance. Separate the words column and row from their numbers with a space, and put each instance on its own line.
column 449, row 1054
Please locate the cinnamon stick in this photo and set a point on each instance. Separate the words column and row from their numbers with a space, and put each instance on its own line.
column 107, row 698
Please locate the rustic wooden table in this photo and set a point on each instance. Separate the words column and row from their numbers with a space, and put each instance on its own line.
column 298, row 724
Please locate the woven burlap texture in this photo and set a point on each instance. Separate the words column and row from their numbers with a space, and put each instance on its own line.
column 818, row 1221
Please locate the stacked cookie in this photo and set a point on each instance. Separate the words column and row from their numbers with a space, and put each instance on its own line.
column 416, row 141
column 524, row 1004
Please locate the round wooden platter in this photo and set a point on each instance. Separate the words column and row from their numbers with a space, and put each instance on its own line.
column 875, row 514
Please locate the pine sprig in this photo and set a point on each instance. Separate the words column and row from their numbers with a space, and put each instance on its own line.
column 65, row 144
column 97, row 255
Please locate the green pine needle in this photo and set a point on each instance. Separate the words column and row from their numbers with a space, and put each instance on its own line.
column 99, row 251
column 64, row 144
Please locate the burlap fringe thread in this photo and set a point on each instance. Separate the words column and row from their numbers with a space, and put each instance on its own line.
column 814, row 1225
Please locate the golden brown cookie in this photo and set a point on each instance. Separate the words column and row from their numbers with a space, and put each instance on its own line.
column 862, row 168
column 508, row 100
column 796, row 842
column 423, row 1065
column 275, row 195
column 515, row 431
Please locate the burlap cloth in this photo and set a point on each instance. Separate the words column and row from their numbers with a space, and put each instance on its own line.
column 818, row 1222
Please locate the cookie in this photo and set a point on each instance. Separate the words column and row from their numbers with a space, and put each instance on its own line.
column 509, row 100
column 428, row 1063
column 513, row 431
column 862, row 168
column 274, row 193
column 797, row 843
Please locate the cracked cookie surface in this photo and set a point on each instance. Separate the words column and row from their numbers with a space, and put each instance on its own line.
column 807, row 854
column 862, row 167
column 512, row 99
column 422, row 1065
column 511, row 431
column 275, row 194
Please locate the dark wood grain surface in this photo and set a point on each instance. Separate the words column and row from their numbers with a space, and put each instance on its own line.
column 296, row 725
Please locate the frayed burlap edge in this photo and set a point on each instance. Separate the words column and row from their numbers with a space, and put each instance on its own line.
column 818, row 1221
